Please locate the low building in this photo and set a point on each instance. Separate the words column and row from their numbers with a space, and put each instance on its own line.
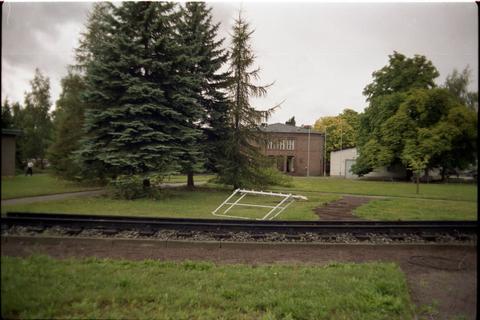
column 341, row 164
column 8, row 151
column 295, row 150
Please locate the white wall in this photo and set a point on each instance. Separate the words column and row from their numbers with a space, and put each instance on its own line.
column 337, row 161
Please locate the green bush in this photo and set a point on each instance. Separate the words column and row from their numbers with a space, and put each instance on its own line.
column 131, row 187
column 259, row 177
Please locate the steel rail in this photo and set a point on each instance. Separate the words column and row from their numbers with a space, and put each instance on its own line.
column 215, row 225
column 467, row 223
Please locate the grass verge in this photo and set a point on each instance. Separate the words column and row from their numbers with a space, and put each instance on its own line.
column 176, row 203
column 417, row 209
column 41, row 287
column 463, row 192
column 37, row 185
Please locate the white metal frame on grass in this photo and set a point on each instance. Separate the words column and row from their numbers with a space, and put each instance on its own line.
column 274, row 212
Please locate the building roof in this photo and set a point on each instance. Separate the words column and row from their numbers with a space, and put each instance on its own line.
column 11, row 132
column 286, row 128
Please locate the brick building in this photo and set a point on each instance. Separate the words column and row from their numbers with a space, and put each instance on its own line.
column 296, row 151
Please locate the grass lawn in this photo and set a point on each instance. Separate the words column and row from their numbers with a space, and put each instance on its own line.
column 417, row 209
column 183, row 179
column 41, row 287
column 464, row 192
column 36, row 185
column 177, row 203
column 435, row 201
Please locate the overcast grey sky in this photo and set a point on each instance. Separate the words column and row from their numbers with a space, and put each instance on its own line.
column 320, row 55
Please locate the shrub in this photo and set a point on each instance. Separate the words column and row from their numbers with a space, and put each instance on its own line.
column 259, row 177
column 131, row 187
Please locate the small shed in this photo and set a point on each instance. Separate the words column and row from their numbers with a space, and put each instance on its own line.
column 341, row 163
column 8, row 151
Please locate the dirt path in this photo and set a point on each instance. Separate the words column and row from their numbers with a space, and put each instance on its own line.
column 441, row 294
column 341, row 209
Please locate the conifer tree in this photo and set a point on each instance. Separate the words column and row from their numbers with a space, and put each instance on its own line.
column 243, row 163
column 201, row 84
column 130, row 126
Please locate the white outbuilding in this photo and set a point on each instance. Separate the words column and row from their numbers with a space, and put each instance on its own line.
column 341, row 163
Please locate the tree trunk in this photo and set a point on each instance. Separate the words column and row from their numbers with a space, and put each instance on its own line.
column 426, row 175
column 190, row 183
column 418, row 183
column 409, row 175
column 146, row 183
column 442, row 173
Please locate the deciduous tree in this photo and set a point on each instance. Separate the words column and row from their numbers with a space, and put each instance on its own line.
column 291, row 121
column 68, row 123
column 457, row 83
column 341, row 130
column 35, row 120
column 7, row 116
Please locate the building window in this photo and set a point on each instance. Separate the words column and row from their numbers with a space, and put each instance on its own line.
column 281, row 144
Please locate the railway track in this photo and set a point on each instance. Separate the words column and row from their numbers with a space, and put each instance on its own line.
column 179, row 228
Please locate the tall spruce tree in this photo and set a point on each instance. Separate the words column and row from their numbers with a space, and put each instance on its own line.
column 201, row 83
column 130, row 125
column 244, row 164
column 68, row 123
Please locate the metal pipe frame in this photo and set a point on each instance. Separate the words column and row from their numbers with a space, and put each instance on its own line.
column 287, row 199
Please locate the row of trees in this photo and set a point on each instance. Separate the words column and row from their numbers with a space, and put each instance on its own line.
column 154, row 91
column 409, row 120
column 33, row 118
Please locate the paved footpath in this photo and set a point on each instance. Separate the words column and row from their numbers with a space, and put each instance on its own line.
column 68, row 195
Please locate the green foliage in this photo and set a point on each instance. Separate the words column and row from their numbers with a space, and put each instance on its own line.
column 42, row 287
column 291, row 121
column 34, row 120
column 341, row 130
column 413, row 123
column 135, row 122
column 457, row 84
column 260, row 177
column 131, row 187
column 7, row 116
column 153, row 88
column 199, row 64
column 242, row 163
column 401, row 74
column 68, row 123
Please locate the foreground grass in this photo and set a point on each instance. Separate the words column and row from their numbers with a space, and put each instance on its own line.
column 41, row 287
column 464, row 192
column 177, row 203
column 417, row 209
column 37, row 185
